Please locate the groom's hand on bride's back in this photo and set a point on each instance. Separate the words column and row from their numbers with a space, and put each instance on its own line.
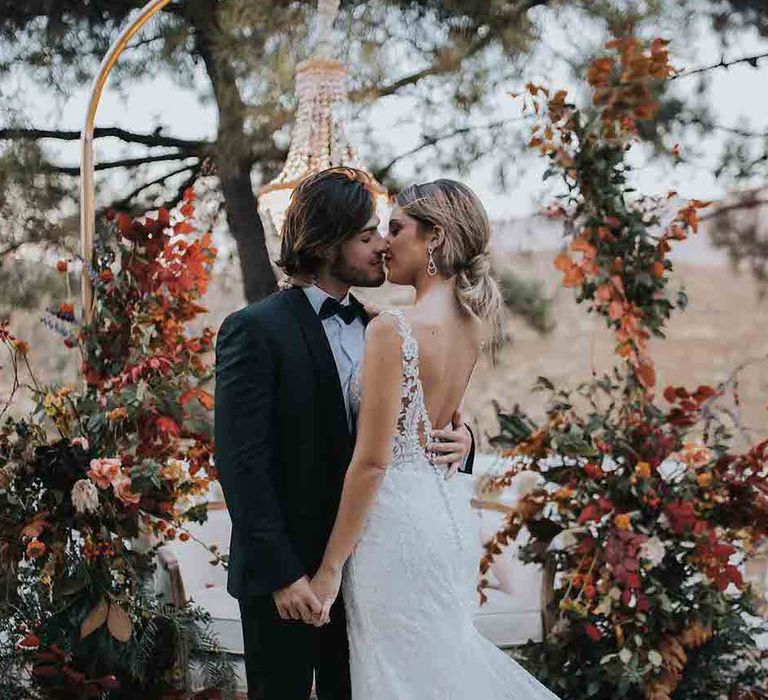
column 451, row 446
column 297, row 602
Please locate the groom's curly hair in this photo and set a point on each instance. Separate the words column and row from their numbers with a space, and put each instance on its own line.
column 325, row 210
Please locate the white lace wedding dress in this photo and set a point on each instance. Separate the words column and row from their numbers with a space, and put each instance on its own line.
column 409, row 585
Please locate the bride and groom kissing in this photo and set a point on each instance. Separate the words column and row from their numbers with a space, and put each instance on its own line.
column 354, row 554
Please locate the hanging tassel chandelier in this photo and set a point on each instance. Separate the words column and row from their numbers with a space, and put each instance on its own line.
column 318, row 140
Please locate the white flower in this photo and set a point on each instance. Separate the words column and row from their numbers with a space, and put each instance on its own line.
column 625, row 655
column 653, row 551
column 672, row 471
column 550, row 462
column 82, row 441
column 526, row 483
column 654, row 657
column 550, row 511
column 605, row 606
column 609, row 464
column 565, row 539
column 85, row 496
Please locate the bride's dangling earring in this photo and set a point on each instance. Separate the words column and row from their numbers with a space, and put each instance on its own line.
column 431, row 267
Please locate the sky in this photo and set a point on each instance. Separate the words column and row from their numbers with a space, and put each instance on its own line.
column 737, row 100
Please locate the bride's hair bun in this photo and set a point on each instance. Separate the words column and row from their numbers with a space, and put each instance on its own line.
column 456, row 209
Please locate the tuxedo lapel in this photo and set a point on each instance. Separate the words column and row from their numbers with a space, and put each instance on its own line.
column 325, row 366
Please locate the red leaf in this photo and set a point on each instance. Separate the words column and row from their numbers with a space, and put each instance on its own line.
column 123, row 223
column 166, row 424
column 31, row 641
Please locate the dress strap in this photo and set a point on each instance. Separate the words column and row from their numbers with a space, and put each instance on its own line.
column 410, row 346
column 414, row 420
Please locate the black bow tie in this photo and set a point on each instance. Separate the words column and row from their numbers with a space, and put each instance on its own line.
column 348, row 313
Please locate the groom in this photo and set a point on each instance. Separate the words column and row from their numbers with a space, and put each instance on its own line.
column 284, row 434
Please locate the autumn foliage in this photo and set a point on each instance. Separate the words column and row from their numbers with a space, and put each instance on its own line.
column 97, row 469
column 617, row 257
column 638, row 509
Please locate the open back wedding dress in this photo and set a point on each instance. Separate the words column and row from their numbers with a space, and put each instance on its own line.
column 409, row 584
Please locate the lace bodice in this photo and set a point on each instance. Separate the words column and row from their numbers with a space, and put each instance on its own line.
column 413, row 423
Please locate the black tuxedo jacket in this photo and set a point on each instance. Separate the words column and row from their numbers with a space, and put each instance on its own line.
column 282, row 444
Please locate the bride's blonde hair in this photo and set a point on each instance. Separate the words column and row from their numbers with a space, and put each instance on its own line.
column 455, row 208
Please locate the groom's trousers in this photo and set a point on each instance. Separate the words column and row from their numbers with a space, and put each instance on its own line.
column 281, row 655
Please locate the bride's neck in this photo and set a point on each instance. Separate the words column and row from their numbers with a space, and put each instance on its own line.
column 436, row 290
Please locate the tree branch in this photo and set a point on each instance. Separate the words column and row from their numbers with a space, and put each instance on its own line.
column 187, row 182
column 752, row 60
column 125, row 201
column 744, row 133
column 743, row 204
column 429, row 141
column 11, row 248
column 446, row 62
column 124, row 163
column 153, row 139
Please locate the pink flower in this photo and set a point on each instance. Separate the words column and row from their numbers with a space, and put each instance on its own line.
column 123, row 491
column 82, row 441
column 695, row 454
column 105, row 471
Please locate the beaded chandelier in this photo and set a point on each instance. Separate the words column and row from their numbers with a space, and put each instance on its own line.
column 318, row 140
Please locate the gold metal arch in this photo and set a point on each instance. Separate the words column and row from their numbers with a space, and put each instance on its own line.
column 87, row 191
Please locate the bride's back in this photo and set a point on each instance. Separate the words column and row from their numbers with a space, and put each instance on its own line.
column 448, row 351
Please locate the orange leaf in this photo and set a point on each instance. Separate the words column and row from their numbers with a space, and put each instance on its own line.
column 604, row 292
column 95, row 619
column 580, row 243
column 205, row 399
column 118, row 623
column 182, row 227
column 34, row 527
column 563, row 262
column 646, row 373
column 615, row 310
column 573, row 277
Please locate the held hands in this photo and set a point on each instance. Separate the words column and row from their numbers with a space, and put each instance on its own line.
column 298, row 602
column 454, row 445
column 325, row 585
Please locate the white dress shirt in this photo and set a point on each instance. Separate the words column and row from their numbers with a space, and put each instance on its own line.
column 346, row 341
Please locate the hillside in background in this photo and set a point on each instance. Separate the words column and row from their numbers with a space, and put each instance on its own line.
column 725, row 325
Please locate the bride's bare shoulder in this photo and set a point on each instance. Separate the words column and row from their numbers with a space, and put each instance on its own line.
column 382, row 331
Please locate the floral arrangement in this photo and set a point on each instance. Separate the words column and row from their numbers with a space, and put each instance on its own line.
column 640, row 512
column 100, row 476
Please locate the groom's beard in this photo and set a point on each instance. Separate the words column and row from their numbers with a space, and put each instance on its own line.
column 370, row 274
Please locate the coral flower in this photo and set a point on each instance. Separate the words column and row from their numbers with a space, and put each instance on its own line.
column 35, row 549
column 123, row 491
column 104, row 471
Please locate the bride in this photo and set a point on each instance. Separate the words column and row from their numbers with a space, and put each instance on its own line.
column 403, row 544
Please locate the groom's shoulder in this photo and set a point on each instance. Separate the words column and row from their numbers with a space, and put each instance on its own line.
column 263, row 312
